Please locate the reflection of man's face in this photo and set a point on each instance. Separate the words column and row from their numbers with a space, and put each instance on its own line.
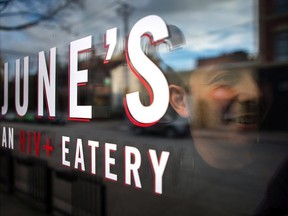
column 224, row 108
column 224, row 100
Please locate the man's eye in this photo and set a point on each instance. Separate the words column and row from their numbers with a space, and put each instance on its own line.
column 225, row 79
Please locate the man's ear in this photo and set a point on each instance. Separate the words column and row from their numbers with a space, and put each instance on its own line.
column 178, row 100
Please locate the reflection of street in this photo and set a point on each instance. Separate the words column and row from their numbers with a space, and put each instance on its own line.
column 178, row 177
column 120, row 129
column 117, row 132
column 13, row 206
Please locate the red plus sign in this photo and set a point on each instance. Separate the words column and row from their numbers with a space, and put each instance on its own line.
column 48, row 148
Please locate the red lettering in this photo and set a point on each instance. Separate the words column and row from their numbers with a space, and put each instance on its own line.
column 29, row 143
column 37, row 138
column 22, row 137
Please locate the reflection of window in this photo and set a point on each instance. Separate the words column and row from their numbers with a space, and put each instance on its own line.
column 281, row 6
column 281, row 45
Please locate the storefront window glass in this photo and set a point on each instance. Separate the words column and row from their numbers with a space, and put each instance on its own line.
column 142, row 108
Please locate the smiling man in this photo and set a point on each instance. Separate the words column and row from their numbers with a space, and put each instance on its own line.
column 225, row 107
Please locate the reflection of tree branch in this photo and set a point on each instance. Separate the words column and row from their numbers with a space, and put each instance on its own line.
column 40, row 17
column 4, row 4
column 20, row 13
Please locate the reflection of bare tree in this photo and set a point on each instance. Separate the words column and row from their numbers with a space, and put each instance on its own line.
column 19, row 14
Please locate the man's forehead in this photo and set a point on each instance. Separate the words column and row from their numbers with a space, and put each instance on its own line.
column 208, row 72
column 211, row 71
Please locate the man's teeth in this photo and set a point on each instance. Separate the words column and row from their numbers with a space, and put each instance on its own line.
column 245, row 120
column 251, row 119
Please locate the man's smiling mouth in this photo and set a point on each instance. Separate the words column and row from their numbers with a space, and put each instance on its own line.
column 247, row 119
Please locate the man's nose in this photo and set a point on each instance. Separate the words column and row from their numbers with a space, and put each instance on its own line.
column 248, row 89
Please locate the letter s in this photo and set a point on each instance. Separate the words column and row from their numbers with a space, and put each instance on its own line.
column 147, row 72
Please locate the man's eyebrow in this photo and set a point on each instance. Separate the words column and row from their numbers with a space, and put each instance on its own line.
column 222, row 71
column 210, row 73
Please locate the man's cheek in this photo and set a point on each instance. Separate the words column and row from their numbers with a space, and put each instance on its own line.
column 222, row 94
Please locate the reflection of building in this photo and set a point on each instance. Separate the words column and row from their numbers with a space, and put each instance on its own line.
column 273, row 56
column 234, row 57
column 119, row 77
column 273, row 26
column 98, row 89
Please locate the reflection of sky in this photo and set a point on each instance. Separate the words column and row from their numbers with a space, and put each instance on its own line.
column 210, row 27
